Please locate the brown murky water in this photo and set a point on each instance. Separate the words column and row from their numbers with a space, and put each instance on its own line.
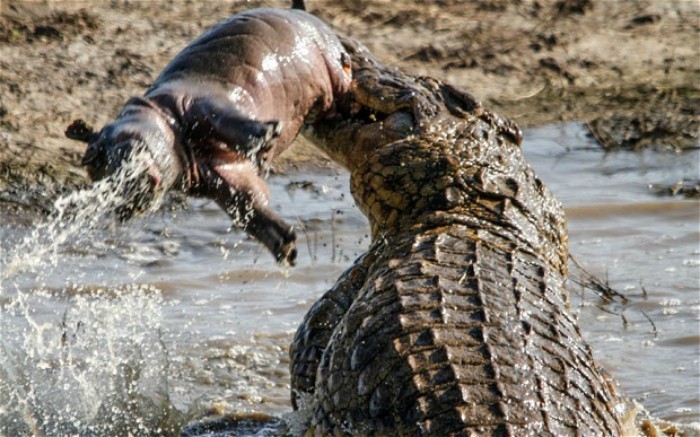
column 191, row 315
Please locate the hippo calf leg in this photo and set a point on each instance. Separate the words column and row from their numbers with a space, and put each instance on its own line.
column 243, row 194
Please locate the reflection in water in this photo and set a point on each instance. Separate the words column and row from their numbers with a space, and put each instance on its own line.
column 177, row 310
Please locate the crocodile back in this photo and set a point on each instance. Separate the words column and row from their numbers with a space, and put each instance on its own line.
column 453, row 335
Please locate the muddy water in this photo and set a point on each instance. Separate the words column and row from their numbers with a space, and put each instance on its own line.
column 174, row 313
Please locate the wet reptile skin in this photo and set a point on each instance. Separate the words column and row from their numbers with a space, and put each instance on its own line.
column 456, row 321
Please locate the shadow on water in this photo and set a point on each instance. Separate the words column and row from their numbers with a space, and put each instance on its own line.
column 136, row 328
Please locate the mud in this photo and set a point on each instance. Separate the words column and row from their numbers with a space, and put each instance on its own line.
column 664, row 119
column 628, row 69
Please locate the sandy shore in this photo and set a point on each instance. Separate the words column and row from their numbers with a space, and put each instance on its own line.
column 628, row 69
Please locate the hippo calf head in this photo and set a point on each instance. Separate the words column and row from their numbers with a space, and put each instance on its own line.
column 137, row 150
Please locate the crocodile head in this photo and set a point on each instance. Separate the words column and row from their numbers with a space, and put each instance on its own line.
column 424, row 153
column 392, row 137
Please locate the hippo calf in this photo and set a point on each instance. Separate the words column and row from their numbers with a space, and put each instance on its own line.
column 223, row 109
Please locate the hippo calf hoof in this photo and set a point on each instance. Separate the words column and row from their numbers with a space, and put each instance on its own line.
column 272, row 231
column 286, row 252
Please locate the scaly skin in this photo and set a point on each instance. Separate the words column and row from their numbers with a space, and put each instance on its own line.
column 456, row 321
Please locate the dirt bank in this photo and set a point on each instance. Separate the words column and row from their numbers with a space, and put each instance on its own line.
column 629, row 69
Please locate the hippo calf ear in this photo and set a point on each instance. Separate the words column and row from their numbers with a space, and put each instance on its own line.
column 298, row 4
column 81, row 131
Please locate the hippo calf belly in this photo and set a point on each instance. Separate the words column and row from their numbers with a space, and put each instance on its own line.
column 268, row 64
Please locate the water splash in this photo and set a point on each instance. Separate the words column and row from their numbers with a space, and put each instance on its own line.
column 101, row 369
column 76, row 214
column 92, row 361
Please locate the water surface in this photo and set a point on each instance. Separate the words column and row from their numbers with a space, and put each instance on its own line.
column 175, row 309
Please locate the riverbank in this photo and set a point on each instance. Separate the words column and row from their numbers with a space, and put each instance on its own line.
column 630, row 71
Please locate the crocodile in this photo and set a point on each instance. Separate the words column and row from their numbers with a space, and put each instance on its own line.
column 456, row 321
